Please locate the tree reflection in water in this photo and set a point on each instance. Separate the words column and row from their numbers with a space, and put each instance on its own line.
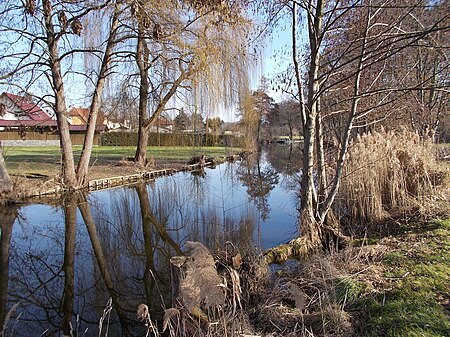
column 287, row 160
column 259, row 181
column 8, row 215
column 117, row 244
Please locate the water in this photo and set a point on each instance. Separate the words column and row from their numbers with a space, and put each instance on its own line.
column 66, row 261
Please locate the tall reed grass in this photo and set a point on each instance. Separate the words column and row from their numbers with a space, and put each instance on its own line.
column 386, row 173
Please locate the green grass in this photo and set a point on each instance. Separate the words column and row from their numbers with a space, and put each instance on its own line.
column 419, row 288
column 47, row 158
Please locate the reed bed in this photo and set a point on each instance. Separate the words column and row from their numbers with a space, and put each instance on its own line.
column 387, row 173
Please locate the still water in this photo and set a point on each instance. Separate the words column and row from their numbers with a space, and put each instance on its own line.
column 91, row 259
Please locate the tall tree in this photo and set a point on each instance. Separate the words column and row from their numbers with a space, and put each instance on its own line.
column 350, row 44
column 286, row 118
column 182, row 121
column 255, row 107
column 43, row 54
column 96, row 101
column 188, row 47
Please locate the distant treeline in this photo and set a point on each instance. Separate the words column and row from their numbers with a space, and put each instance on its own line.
column 169, row 139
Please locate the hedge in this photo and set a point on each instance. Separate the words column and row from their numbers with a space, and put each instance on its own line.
column 168, row 139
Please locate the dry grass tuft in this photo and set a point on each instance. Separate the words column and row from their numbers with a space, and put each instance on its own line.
column 142, row 312
column 201, row 285
column 387, row 173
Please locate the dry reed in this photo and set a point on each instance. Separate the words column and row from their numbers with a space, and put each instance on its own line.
column 386, row 172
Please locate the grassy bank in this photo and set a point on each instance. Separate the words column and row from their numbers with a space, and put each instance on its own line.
column 413, row 294
column 396, row 287
column 45, row 160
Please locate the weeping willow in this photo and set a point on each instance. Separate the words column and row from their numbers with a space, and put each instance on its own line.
column 204, row 40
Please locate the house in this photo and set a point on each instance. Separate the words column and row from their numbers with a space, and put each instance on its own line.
column 119, row 126
column 23, row 119
column 20, row 113
column 162, row 125
column 80, row 116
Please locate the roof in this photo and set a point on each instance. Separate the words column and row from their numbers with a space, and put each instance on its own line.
column 163, row 121
column 32, row 110
column 39, row 117
column 99, row 127
column 83, row 113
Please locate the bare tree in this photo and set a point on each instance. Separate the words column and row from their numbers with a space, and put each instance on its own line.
column 6, row 184
column 96, row 102
column 286, row 117
column 350, row 45
column 44, row 59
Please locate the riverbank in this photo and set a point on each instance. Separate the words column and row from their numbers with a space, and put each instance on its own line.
column 396, row 285
column 35, row 170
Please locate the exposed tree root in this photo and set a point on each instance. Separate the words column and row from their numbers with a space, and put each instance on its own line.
column 302, row 247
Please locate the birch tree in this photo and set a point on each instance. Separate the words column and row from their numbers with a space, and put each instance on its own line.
column 345, row 77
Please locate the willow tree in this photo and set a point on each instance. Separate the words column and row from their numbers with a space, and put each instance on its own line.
column 350, row 45
column 106, row 59
column 42, row 54
column 187, row 53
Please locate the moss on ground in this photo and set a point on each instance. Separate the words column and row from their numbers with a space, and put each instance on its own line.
column 416, row 299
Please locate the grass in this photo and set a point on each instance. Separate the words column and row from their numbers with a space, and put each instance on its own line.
column 416, row 301
column 46, row 159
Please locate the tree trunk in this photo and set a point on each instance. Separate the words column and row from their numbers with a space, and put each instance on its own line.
column 6, row 184
column 68, row 165
column 309, row 224
column 83, row 164
column 142, row 57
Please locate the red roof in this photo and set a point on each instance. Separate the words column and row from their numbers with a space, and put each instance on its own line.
column 39, row 117
column 32, row 110
column 100, row 127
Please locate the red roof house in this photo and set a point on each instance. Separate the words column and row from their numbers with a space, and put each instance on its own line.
column 21, row 111
column 21, row 118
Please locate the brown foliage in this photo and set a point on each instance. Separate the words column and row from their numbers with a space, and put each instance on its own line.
column 76, row 26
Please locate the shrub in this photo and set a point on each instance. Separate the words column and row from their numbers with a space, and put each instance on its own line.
column 169, row 139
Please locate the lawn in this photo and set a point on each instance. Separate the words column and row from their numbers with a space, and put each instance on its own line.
column 46, row 159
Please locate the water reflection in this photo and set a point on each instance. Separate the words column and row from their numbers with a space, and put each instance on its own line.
column 61, row 265
column 260, row 181
column 8, row 215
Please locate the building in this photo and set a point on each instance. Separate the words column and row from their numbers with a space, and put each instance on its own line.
column 80, row 116
column 22, row 119
column 162, row 125
column 21, row 114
